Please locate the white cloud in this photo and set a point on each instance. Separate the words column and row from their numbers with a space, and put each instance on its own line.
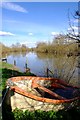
column 54, row 33
column 29, row 43
column 30, row 33
column 73, row 27
column 76, row 33
column 13, row 6
column 2, row 33
column 76, row 20
column 69, row 29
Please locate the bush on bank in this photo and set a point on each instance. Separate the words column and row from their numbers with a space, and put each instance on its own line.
column 46, row 115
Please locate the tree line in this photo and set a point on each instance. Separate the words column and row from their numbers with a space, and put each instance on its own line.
column 14, row 48
column 61, row 44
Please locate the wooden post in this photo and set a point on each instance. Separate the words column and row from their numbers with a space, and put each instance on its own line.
column 47, row 72
column 26, row 65
column 6, row 57
column 14, row 62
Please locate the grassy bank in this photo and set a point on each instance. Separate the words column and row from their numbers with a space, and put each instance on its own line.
column 9, row 70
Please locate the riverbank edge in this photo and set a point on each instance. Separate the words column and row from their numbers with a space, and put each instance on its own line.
column 8, row 70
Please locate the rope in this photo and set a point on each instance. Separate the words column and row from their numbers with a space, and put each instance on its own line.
column 10, row 83
column 7, row 88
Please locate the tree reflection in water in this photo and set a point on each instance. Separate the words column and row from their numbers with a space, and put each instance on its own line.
column 62, row 66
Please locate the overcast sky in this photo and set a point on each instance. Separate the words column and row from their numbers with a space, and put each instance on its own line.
column 32, row 22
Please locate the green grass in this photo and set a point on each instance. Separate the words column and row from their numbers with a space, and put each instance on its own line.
column 6, row 65
column 7, row 71
column 18, row 114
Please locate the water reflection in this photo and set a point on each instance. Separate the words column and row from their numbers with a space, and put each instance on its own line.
column 62, row 66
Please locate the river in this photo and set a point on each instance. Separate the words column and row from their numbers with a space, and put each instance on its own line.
column 61, row 66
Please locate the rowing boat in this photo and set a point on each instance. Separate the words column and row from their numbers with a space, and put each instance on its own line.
column 46, row 90
column 49, row 86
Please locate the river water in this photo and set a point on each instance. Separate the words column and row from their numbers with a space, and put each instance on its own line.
column 61, row 66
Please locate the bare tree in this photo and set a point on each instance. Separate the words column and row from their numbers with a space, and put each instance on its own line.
column 71, row 33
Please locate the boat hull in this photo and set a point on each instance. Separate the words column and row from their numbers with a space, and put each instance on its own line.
column 28, row 88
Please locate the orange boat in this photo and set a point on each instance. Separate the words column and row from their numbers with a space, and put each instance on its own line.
column 49, row 90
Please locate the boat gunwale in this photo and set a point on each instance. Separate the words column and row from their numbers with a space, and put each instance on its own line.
column 35, row 97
